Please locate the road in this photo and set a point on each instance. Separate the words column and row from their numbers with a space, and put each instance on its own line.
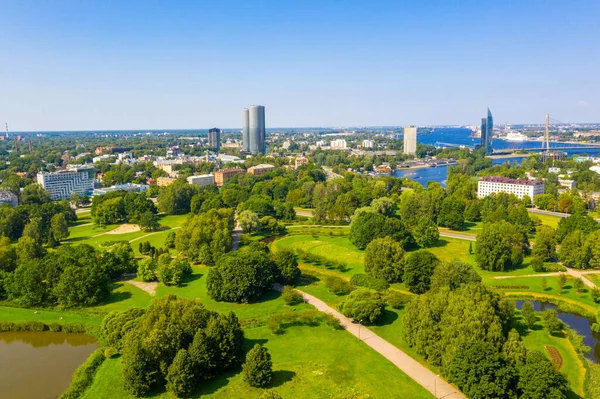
column 467, row 237
column 415, row 370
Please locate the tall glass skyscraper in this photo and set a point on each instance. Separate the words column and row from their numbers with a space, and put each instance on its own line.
column 487, row 132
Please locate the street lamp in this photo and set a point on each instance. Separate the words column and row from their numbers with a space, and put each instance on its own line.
column 359, row 323
column 435, row 385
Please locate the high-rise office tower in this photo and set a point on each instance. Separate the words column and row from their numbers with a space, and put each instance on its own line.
column 487, row 132
column 410, row 140
column 245, row 130
column 256, row 135
column 214, row 138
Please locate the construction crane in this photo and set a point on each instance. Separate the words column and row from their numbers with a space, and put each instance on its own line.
column 546, row 134
column 6, row 130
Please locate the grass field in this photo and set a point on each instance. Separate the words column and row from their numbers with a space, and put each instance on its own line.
column 538, row 338
column 94, row 235
column 310, row 362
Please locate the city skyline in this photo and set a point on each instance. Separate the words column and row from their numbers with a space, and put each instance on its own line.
column 89, row 66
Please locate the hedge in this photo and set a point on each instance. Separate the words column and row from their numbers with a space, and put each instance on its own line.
column 84, row 375
column 39, row 326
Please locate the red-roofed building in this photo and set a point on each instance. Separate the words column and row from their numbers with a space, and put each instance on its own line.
column 520, row 187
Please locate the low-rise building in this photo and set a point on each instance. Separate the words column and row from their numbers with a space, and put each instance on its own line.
column 554, row 170
column 201, row 180
column 7, row 197
column 165, row 181
column 221, row 176
column 570, row 184
column 496, row 184
column 260, row 169
column 300, row 161
column 129, row 187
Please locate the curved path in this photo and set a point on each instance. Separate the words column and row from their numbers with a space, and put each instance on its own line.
column 415, row 370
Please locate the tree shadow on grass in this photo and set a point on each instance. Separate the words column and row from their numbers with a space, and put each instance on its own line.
column 75, row 239
column 441, row 243
column 388, row 318
column 118, row 296
column 191, row 278
column 280, row 377
column 209, row 387
column 268, row 296
column 307, row 279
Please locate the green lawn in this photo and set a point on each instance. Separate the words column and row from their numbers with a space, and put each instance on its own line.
column 548, row 220
column 538, row 338
column 16, row 315
column 309, row 362
column 594, row 278
column 94, row 235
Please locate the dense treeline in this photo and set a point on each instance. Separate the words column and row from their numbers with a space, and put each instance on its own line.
column 121, row 206
column 69, row 276
column 466, row 328
column 176, row 343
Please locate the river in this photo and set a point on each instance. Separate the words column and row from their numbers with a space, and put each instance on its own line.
column 577, row 323
column 461, row 136
column 40, row 364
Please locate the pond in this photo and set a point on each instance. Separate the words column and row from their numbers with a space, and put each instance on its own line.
column 581, row 324
column 40, row 364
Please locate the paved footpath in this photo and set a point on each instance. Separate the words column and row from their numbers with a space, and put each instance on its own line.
column 415, row 370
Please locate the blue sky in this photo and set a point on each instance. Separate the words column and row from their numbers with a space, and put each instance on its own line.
column 70, row 65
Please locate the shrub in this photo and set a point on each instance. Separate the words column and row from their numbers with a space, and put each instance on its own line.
column 258, row 369
column 396, row 299
column 361, row 305
column 364, row 280
column 146, row 270
column 537, row 264
column 291, row 296
column 337, row 285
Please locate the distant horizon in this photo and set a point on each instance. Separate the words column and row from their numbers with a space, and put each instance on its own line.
column 166, row 130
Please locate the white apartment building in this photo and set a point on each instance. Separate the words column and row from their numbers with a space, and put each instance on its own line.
column 339, row 144
column 368, row 144
column 201, row 180
column 410, row 140
column 60, row 185
column 496, row 184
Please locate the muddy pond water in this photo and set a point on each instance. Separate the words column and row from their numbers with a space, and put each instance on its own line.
column 39, row 365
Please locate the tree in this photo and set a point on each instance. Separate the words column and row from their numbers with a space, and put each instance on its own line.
column 528, row 314
column 452, row 213
column 8, row 255
column 258, row 368
column 249, row 221
column 577, row 221
column 170, row 240
column 148, row 221
column 537, row 264
column 538, row 379
column 384, row 205
column 513, row 349
column 578, row 284
column 116, row 325
column 500, row 246
column 146, row 270
column 480, row 371
column 241, row 276
column 418, row 270
column 35, row 230
column 552, row 322
column 175, row 198
column 206, row 237
column 59, row 227
column 453, row 275
column 545, row 244
column 370, row 226
column 27, row 249
column 361, row 305
column 34, row 194
column 384, row 259
column 574, row 251
column 544, row 283
column 562, row 280
column 181, row 377
column 596, row 294
column 426, row 233
column 287, row 266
